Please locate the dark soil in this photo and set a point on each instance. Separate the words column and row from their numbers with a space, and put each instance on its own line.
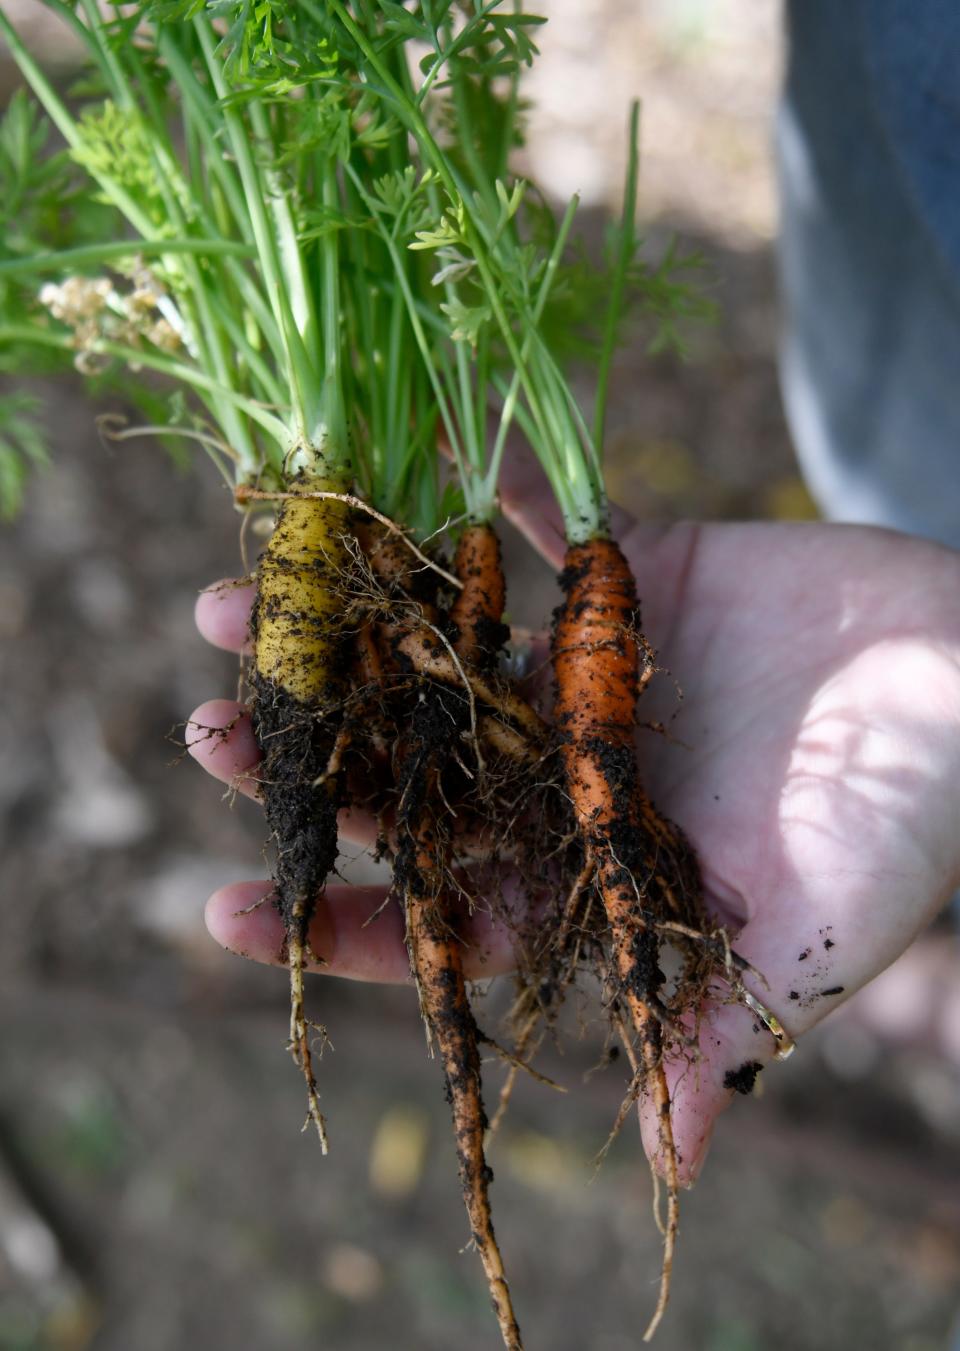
column 297, row 741
column 742, row 1080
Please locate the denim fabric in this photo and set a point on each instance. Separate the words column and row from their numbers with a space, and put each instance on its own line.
column 868, row 146
column 869, row 159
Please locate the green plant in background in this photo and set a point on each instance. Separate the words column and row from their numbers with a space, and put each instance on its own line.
column 304, row 218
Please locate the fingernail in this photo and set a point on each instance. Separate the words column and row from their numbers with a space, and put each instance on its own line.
column 699, row 1158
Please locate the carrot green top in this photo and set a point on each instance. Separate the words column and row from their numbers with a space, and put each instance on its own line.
column 320, row 239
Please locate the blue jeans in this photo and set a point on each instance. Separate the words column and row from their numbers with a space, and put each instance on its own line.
column 869, row 155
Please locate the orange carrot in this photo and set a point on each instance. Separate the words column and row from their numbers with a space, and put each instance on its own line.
column 477, row 611
column 421, row 871
column 436, row 961
column 642, row 866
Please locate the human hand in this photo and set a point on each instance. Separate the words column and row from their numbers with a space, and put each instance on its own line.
column 817, row 771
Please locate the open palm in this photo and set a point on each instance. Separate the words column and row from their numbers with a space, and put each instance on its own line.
column 814, row 761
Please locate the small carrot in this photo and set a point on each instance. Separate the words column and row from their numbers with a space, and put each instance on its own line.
column 477, row 611
column 434, row 946
column 298, row 686
column 436, row 962
column 467, row 658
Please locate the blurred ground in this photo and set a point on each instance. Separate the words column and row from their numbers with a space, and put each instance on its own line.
column 155, row 1191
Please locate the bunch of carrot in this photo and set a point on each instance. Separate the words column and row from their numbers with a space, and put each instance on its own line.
column 336, row 309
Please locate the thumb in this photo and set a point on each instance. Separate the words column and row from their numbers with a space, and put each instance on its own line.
column 734, row 1047
column 809, row 967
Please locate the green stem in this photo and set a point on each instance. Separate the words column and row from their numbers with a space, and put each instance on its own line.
column 627, row 245
column 300, row 372
column 457, row 45
column 437, row 386
column 557, row 436
column 327, row 450
column 177, row 370
column 88, row 255
column 66, row 124
column 513, row 392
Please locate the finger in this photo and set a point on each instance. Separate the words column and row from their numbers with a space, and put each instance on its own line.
column 219, row 736
column 222, row 614
column 802, row 980
column 352, row 933
column 734, row 1048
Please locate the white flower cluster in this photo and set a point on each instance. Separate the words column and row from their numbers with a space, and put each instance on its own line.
column 77, row 299
column 97, row 311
